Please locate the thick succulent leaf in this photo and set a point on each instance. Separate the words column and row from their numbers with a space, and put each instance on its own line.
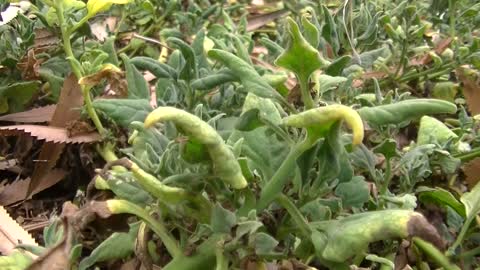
column 405, row 110
column 300, row 57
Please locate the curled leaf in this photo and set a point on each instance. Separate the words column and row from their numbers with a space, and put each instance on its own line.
column 225, row 164
column 340, row 240
column 327, row 116
column 405, row 110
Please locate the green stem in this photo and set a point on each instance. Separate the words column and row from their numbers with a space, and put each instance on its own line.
column 306, row 97
column 451, row 11
column 67, row 46
column 461, row 235
column 388, row 173
column 275, row 186
column 222, row 261
column 126, row 207
column 468, row 156
column 79, row 24
column 297, row 217
column 91, row 111
column 434, row 254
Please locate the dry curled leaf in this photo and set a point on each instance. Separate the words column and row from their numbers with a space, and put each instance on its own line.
column 49, row 134
column 11, row 234
column 472, row 172
column 471, row 89
column 37, row 115
column 17, row 190
column 30, row 66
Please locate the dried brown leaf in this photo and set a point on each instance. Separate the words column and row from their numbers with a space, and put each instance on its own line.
column 471, row 170
column 67, row 110
column 44, row 39
column 471, row 90
column 439, row 49
column 17, row 191
column 7, row 163
column 49, row 134
column 30, row 66
column 37, row 115
column 261, row 20
column 11, row 234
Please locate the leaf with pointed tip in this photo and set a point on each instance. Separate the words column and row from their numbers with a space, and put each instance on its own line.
column 300, row 57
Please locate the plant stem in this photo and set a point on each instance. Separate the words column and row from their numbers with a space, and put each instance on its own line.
column 468, row 156
column 275, row 186
column 461, row 235
column 306, row 97
column 434, row 254
column 67, row 46
column 297, row 217
column 123, row 206
column 388, row 177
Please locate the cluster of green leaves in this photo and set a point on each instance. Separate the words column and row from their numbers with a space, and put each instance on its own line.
column 237, row 173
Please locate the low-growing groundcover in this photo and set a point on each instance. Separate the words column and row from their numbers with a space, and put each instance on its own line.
column 243, row 134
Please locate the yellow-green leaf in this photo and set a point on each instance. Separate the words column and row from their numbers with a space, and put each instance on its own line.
column 96, row 6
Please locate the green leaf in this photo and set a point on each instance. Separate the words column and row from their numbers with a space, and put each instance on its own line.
column 96, row 6
column 326, row 82
column 340, row 240
column 123, row 111
column 264, row 243
column 312, row 35
column 441, row 197
column 117, row 246
column 353, row 193
column 432, row 130
column 329, row 30
column 189, row 70
column 337, row 66
column 249, row 120
column 249, row 77
column 137, row 86
column 17, row 95
column 266, row 107
column 222, row 220
column 445, row 90
column 471, row 201
column 405, row 110
column 387, row 148
column 300, row 57
column 211, row 81
column 18, row 260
